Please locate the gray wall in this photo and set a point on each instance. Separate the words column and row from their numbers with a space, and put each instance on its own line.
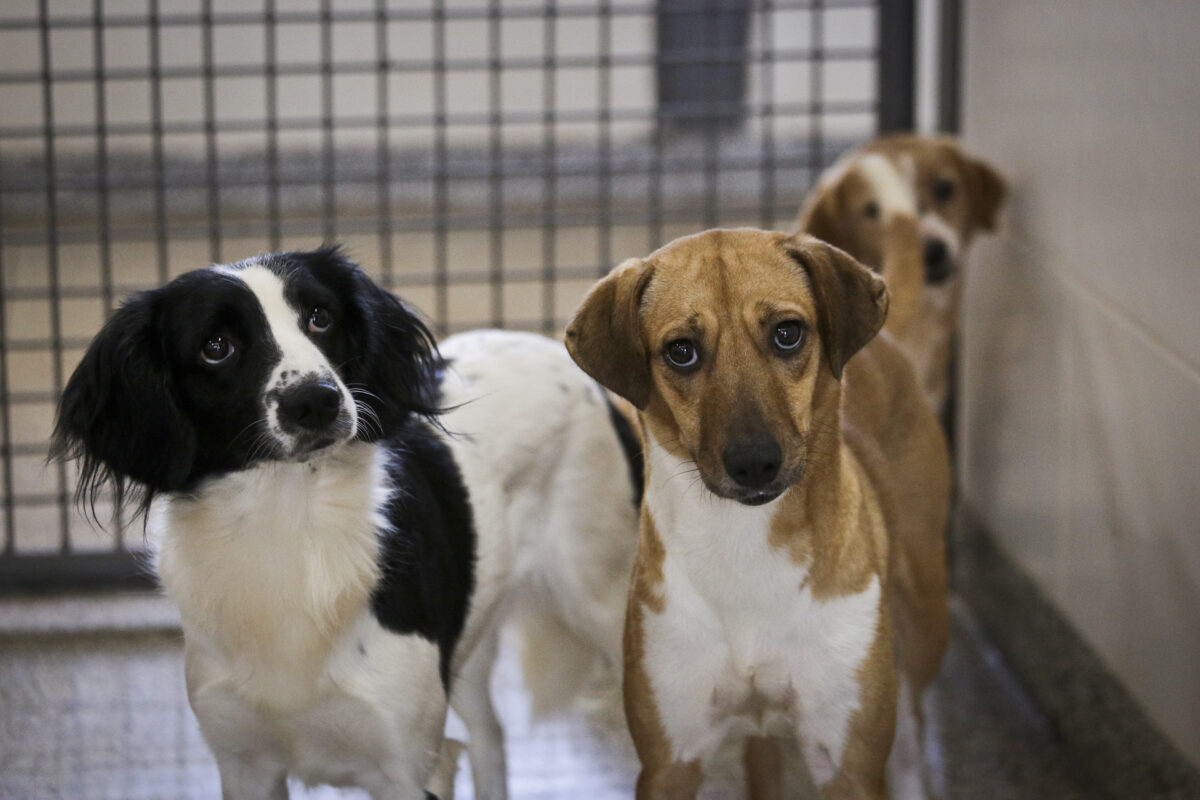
column 1080, row 392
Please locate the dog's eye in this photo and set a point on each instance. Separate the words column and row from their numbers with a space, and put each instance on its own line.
column 319, row 320
column 789, row 336
column 683, row 355
column 871, row 210
column 216, row 349
column 943, row 191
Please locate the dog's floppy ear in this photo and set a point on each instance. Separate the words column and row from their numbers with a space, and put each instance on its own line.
column 605, row 335
column 988, row 190
column 397, row 355
column 851, row 300
column 120, row 415
column 820, row 216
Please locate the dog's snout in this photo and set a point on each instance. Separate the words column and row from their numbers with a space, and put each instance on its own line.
column 753, row 463
column 937, row 260
column 312, row 406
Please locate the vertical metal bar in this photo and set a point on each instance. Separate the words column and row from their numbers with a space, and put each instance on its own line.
column 10, row 525
column 157, row 155
column 328, row 184
column 713, row 116
column 441, row 300
column 767, row 188
column 495, row 163
column 950, row 67
column 550, row 165
column 604, row 147
column 104, row 217
column 816, row 91
column 383, row 146
column 271, row 76
column 52, row 256
column 654, row 213
column 897, row 59
column 104, row 220
column 210, row 132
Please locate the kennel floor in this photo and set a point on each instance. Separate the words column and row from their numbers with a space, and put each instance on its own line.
column 93, row 707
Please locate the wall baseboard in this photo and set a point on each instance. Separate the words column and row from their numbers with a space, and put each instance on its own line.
column 1120, row 752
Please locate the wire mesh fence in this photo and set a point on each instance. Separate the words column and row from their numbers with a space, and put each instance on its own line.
column 487, row 159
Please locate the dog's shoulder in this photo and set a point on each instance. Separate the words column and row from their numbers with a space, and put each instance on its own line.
column 428, row 544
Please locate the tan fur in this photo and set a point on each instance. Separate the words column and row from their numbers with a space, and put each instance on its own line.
column 863, row 458
column 922, row 318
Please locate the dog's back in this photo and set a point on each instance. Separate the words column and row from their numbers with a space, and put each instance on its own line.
column 897, row 439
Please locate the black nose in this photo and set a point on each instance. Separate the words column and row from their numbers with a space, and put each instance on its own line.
column 753, row 463
column 937, row 260
column 312, row 405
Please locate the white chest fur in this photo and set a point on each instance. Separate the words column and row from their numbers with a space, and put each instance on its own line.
column 742, row 644
column 268, row 566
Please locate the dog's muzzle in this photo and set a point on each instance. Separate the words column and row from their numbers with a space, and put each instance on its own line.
column 938, row 261
column 753, row 464
column 313, row 415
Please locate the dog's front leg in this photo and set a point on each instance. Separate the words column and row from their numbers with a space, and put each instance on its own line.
column 846, row 731
column 673, row 750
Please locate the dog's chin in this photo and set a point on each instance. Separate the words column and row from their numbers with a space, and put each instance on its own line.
column 318, row 445
column 745, row 496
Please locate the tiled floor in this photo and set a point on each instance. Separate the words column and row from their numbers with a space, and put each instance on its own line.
column 91, row 716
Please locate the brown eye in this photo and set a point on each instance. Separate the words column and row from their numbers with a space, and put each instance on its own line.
column 683, row 355
column 319, row 320
column 788, row 336
column 943, row 191
column 216, row 349
column 871, row 210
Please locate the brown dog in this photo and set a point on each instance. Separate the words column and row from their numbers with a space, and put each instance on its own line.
column 908, row 206
column 793, row 515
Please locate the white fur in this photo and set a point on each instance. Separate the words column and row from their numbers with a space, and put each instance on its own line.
column 893, row 191
column 288, row 670
column 742, row 646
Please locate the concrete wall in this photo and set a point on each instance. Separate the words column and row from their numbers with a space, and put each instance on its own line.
column 1080, row 416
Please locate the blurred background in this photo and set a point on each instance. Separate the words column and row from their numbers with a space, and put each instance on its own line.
column 488, row 160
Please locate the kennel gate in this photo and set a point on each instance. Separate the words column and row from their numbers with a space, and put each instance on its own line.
column 487, row 159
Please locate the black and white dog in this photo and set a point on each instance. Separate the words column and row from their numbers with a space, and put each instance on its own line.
column 340, row 550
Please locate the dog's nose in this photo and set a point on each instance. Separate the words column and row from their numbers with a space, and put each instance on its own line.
column 937, row 260
column 312, row 405
column 753, row 463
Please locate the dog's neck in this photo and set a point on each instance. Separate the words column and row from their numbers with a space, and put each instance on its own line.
column 267, row 565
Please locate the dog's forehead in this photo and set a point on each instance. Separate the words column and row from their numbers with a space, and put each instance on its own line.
column 725, row 271
column 924, row 156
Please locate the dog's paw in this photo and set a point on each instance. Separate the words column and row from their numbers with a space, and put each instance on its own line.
column 893, row 192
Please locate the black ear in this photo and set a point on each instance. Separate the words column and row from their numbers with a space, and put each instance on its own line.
column 852, row 301
column 119, row 414
column 398, row 362
column 605, row 335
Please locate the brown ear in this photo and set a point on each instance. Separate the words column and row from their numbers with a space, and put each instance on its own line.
column 852, row 301
column 819, row 216
column 605, row 336
column 987, row 196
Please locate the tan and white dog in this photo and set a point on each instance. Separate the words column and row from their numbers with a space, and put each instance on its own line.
column 908, row 207
column 789, row 580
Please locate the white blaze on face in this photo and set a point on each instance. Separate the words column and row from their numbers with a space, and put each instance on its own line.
column 300, row 359
column 892, row 189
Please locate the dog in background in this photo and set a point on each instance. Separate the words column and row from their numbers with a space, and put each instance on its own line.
column 908, row 207
column 790, row 577
column 342, row 514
